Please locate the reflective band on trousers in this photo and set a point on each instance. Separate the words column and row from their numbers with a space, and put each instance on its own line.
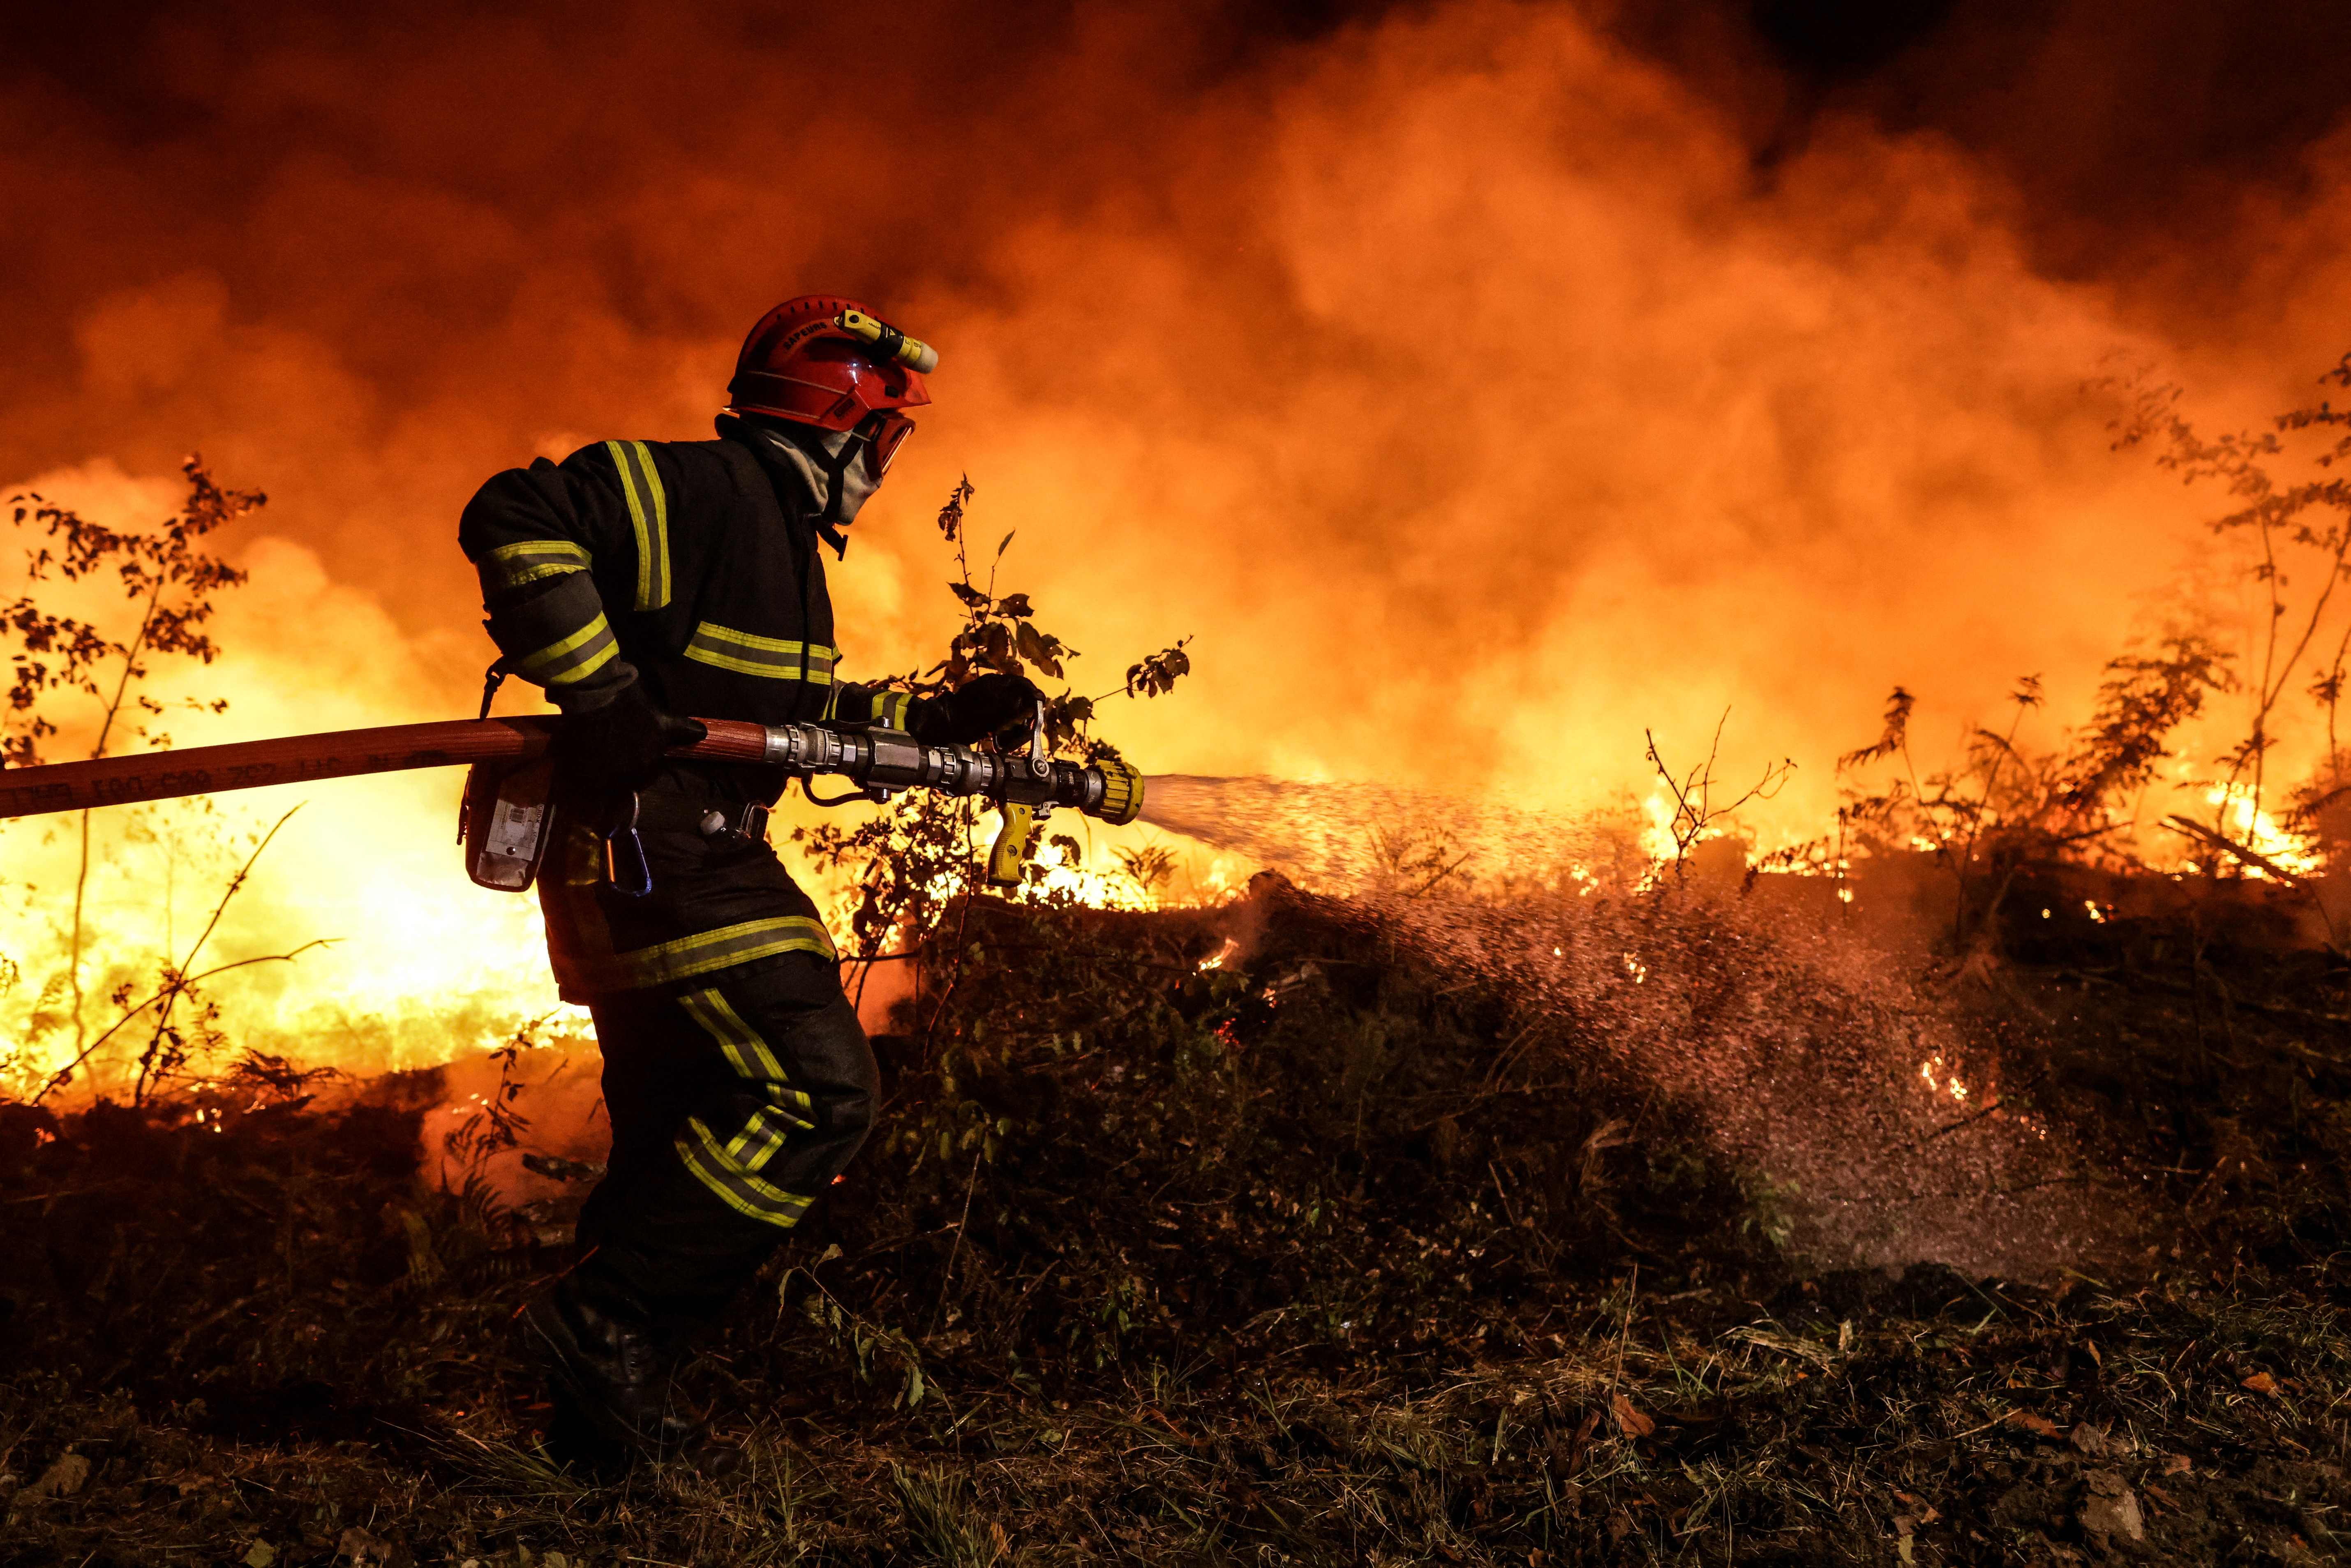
column 771, row 658
column 649, row 513
column 574, row 658
column 745, row 1053
column 710, row 950
column 731, row 1169
column 508, row 567
column 726, row 1175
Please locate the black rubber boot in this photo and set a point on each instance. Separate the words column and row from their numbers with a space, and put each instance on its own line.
column 615, row 1399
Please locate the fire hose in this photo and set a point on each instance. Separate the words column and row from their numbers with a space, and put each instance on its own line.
column 1024, row 785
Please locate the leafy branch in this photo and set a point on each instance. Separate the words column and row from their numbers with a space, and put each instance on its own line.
column 2004, row 808
column 1001, row 634
column 2295, row 529
column 912, row 862
column 176, row 585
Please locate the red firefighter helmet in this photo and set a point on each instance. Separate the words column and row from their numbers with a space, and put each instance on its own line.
column 827, row 362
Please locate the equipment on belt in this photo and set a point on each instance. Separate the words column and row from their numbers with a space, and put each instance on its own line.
column 507, row 821
column 507, row 818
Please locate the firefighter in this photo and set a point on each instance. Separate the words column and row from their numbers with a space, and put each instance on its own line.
column 639, row 582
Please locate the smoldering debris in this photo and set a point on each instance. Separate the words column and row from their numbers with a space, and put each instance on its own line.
column 1865, row 1106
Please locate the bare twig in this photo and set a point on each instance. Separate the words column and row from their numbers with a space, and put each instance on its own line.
column 65, row 1074
column 1695, row 817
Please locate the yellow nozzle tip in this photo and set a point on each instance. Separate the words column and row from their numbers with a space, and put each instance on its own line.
column 1122, row 793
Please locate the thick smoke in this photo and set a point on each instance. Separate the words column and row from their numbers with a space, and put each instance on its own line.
column 1456, row 375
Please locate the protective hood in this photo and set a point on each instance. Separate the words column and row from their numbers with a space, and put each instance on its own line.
column 820, row 465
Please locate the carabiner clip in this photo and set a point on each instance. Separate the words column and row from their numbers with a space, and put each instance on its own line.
column 492, row 679
column 625, row 868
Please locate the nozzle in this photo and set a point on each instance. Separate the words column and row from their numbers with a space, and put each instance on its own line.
column 912, row 352
column 1122, row 800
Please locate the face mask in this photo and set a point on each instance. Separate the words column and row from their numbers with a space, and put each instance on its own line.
column 842, row 467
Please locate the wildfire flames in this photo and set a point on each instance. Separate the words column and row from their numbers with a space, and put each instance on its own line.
column 1463, row 382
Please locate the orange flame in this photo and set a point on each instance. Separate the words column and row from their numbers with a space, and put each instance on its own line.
column 1458, row 379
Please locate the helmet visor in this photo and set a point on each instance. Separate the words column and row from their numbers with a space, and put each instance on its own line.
column 885, row 431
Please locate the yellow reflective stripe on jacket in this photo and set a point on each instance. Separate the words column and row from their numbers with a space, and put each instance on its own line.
column 508, row 567
column 649, row 512
column 575, row 657
column 737, row 1188
column 771, row 658
column 708, row 950
column 890, row 708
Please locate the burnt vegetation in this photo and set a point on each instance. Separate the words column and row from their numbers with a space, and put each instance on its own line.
column 1265, row 1234
column 1276, row 1260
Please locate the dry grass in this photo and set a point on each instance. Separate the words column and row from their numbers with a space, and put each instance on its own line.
column 1245, row 1266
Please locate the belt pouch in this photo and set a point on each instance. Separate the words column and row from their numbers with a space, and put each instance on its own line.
column 509, row 820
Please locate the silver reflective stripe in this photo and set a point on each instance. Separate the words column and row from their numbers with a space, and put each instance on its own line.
column 708, row 950
column 510, row 567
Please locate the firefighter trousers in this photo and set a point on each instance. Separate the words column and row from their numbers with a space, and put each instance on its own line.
column 734, row 1100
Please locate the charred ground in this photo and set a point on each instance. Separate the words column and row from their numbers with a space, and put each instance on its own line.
column 1287, row 1260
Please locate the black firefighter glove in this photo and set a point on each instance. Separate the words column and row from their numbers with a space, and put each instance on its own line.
column 982, row 706
column 618, row 743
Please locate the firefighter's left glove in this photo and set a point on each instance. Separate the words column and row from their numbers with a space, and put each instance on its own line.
column 618, row 743
column 985, row 704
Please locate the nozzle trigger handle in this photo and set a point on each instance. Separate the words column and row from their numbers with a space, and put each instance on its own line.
column 1013, row 842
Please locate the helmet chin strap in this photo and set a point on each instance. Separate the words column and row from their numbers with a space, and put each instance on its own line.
column 826, row 463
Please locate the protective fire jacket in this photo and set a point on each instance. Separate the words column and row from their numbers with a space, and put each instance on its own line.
column 681, row 564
